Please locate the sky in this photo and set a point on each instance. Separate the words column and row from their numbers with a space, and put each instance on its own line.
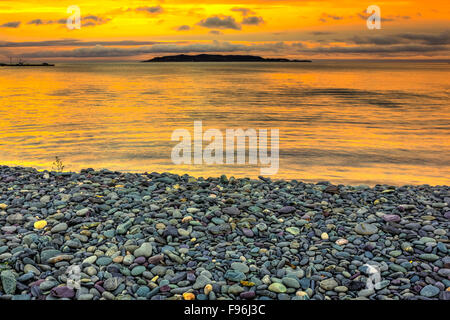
column 136, row 30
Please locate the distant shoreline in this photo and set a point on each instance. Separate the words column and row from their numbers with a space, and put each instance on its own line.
column 27, row 65
column 218, row 58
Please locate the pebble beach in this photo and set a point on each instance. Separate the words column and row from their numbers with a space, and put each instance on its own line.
column 106, row 235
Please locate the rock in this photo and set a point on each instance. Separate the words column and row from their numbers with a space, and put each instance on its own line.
column 86, row 296
column 103, row 261
column 341, row 242
column 123, row 228
column 45, row 199
column 31, row 269
column 60, row 227
column 235, row 289
column 138, row 270
column 201, row 282
column 328, row 284
column 231, row 211
column 293, row 230
column 391, row 218
column 365, row 228
column 8, row 282
column 47, row 285
column 290, row 282
column 14, row 218
column 82, row 212
column 429, row 291
column 144, row 250
column 239, row 266
column 277, row 287
column 111, row 284
column 429, row 257
column 63, row 292
column 90, row 259
column 248, row 232
column 59, row 258
column 234, row 275
column 156, row 259
column 287, row 210
column 248, row 295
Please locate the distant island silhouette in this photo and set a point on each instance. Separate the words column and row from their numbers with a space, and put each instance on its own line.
column 21, row 64
column 218, row 58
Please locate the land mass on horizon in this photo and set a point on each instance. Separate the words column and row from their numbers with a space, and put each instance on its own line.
column 218, row 58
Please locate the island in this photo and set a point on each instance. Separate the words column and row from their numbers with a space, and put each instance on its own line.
column 218, row 58
column 20, row 64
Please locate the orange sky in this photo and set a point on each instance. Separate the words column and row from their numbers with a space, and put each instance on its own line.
column 134, row 30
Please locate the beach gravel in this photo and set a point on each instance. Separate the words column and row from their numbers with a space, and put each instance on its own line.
column 120, row 236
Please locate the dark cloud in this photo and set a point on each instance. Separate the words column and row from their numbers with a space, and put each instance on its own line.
column 325, row 17
column 13, row 24
column 254, row 20
column 243, row 11
column 36, row 22
column 364, row 16
column 397, row 49
column 374, row 40
column 216, row 32
column 431, row 39
column 184, row 28
column 102, row 51
column 420, row 38
column 92, row 20
column 151, row 10
column 220, row 22
column 321, row 33
column 87, row 21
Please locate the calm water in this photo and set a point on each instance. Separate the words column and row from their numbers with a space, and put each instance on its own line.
column 346, row 122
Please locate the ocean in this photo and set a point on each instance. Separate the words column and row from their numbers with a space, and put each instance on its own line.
column 348, row 122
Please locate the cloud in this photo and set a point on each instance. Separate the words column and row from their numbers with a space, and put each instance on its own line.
column 431, row 39
column 254, row 20
column 102, row 51
column 325, row 16
column 381, row 40
column 397, row 49
column 321, row 33
column 184, row 28
column 13, row 24
column 92, row 20
column 243, row 11
column 151, row 10
column 421, row 38
column 216, row 32
column 384, row 18
column 220, row 22
column 36, row 22
column 87, row 21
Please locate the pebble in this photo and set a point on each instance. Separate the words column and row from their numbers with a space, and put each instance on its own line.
column 328, row 284
column 277, row 287
column 366, row 228
column 429, row 291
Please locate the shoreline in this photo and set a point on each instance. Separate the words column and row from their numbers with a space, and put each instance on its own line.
column 361, row 185
column 165, row 236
